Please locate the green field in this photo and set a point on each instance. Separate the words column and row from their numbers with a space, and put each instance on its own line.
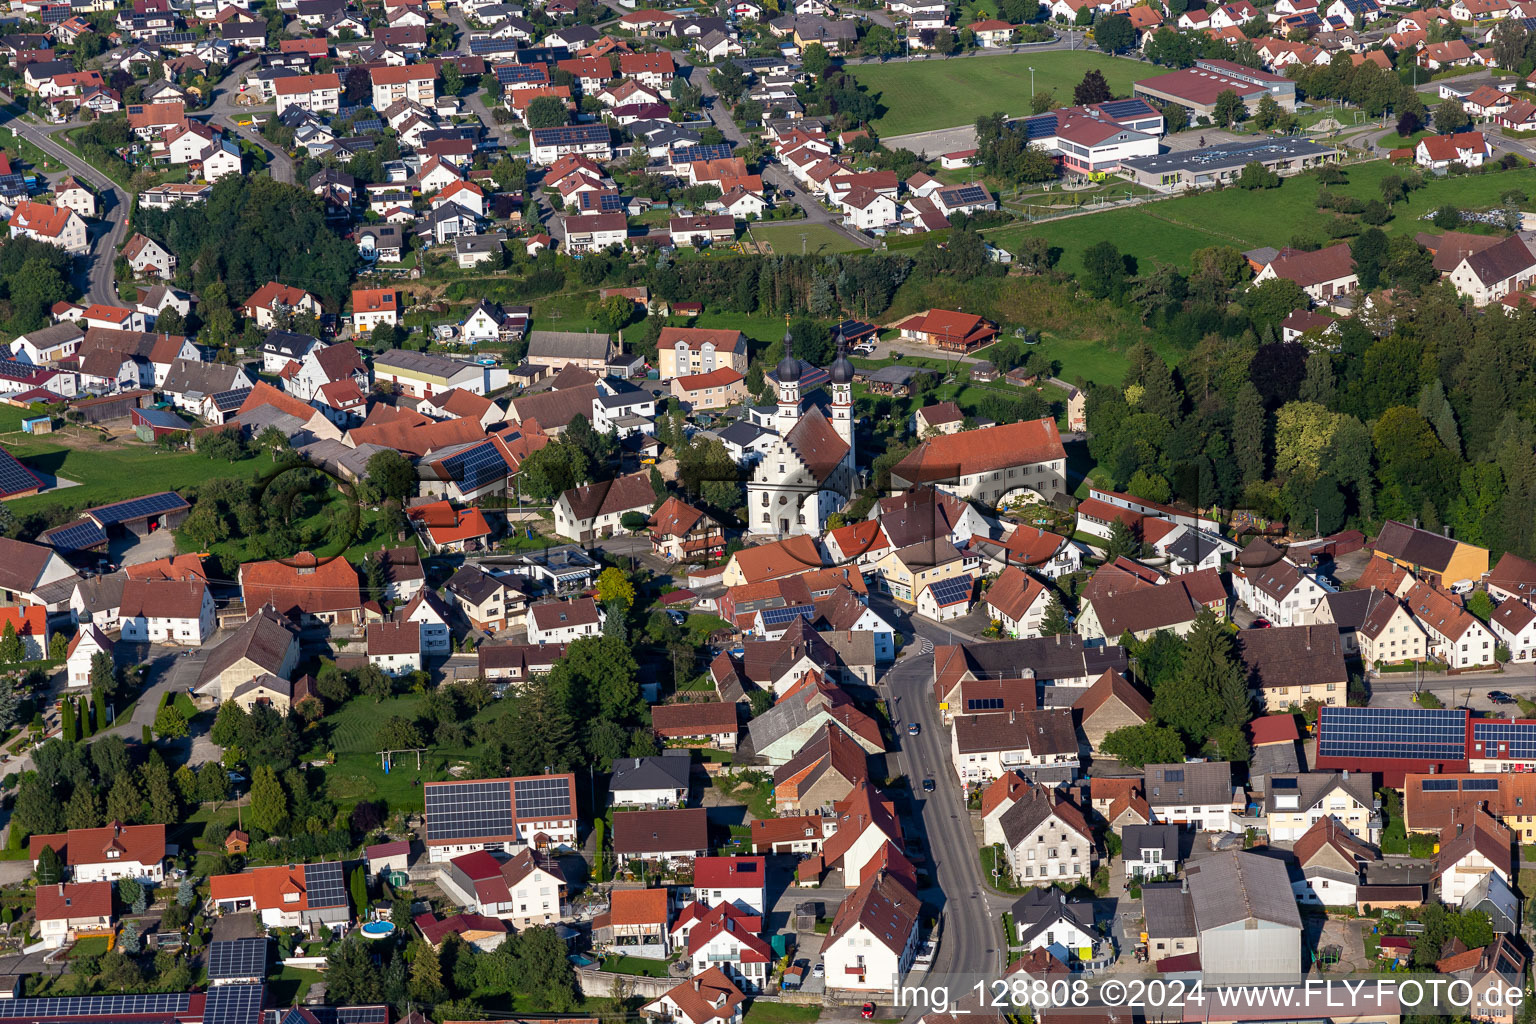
column 114, row 471
column 1168, row 231
column 924, row 95
column 358, row 774
column 785, row 238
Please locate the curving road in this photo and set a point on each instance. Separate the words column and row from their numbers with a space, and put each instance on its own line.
column 94, row 273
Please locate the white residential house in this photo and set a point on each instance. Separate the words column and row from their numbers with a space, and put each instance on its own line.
column 1514, row 623
column 561, row 622
column 162, row 611
column 1456, row 637
column 88, row 642
column 1283, row 593
column 873, row 937
column 431, row 613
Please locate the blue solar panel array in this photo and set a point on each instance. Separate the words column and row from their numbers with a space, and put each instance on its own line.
column 96, row 1006
column 80, row 535
column 952, row 591
column 324, row 884
column 476, row 467
column 481, row 47
column 1438, row 786
column 787, row 613
column 1419, row 734
column 606, row 202
column 238, row 958
column 571, row 135
column 1127, row 108
column 709, row 151
column 542, row 54
column 1488, row 736
column 228, row 401
column 233, row 1004
column 1041, row 127
column 368, row 125
column 16, row 478
column 519, row 74
column 138, row 508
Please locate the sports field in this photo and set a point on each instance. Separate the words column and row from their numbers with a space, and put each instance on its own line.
column 785, row 238
column 919, row 96
column 1168, row 231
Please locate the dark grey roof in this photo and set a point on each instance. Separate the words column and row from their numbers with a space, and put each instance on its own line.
column 1044, row 906
column 1311, row 787
column 1194, row 545
column 1164, row 837
column 1240, row 886
column 741, row 433
column 669, row 771
column 1170, row 913
column 474, row 585
column 1191, row 783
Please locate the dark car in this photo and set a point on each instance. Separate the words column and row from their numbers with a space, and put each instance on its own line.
column 1500, row 697
column 927, row 785
column 913, row 728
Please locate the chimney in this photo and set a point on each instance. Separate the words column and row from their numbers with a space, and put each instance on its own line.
column 1184, row 884
column 698, row 985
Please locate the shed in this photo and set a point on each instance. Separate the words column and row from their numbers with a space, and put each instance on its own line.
column 37, row 425
column 153, row 424
column 111, row 407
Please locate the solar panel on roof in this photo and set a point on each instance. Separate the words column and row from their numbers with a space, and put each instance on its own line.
column 16, row 478
column 460, row 810
column 238, row 958
column 787, row 613
column 543, row 798
column 1438, row 786
column 1040, row 127
column 952, row 591
column 571, row 134
column 361, row 1015
column 481, row 47
column 324, row 885
column 515, row 74
column 967, row 194
column 1503, row 739
column 233, row 1004
column 1422, row 734
column 225, row 401
column 138, row 508
column 80, row 535
column 96, row 1006
column 475, row 467
column 1475, row 785
column 1126, row 108
column 703, row 151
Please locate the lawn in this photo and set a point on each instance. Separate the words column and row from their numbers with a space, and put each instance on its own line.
column 109, row 472
column 1168, row 231
column 929, row 94
column 642, row 966
column 289, row 986
column 818, row 238
column 358, row 773
column 763, row 1012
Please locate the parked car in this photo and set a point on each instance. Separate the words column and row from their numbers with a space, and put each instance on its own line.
column 867, row 1011
column 819, row 971
column 1500, row 697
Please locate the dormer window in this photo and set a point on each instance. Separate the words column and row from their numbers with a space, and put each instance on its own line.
column 114, row 854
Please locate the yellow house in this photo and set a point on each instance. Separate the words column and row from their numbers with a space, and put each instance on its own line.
column 905, row 572
column 1429, row 554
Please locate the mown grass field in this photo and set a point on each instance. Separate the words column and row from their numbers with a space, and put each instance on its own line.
column 109, row 472
column 1169, row 230
column 785, row 238
column 923, row 95
column 358, row 775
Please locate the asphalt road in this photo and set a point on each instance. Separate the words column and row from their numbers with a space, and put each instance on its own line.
column 223, row 111
column 970, row 945
column 94, row 275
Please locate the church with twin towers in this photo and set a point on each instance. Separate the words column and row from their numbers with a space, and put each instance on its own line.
column 809, row 472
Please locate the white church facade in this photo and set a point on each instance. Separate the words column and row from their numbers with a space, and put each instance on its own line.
column 809, row 471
